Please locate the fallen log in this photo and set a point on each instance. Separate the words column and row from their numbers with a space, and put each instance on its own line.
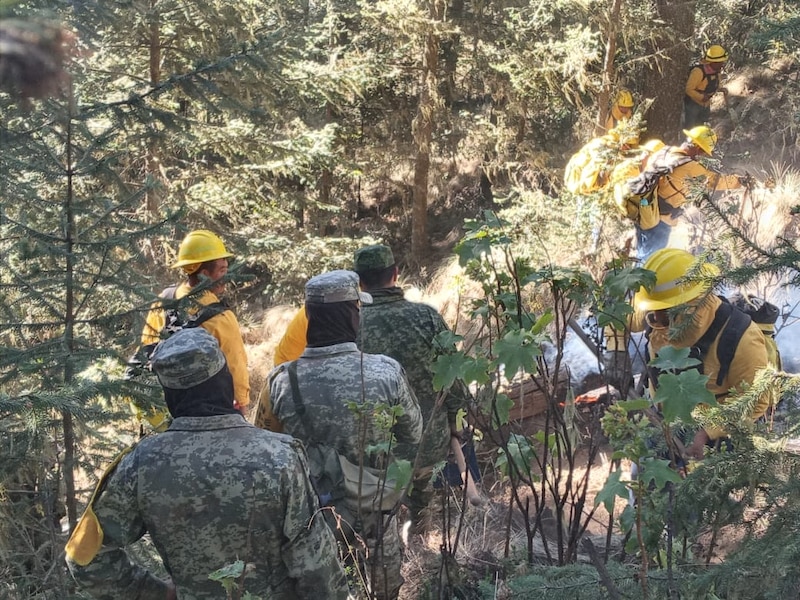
column 530, row 395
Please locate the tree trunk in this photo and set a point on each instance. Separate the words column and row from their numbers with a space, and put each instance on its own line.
column 423, row 136
column 450, row 53
column 609, row 74
column 152, row 197
column 69, row 322
column 666, row 77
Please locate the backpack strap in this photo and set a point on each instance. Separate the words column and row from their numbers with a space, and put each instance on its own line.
column 667, row 169
column 207, row 312
column 299, row 407
column 732, row 322
column 729, row 320
column 201, row 316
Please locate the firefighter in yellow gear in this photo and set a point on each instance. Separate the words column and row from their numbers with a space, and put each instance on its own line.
column 705, row 315
column 588, row 170
column 702, row 84
column 677, row 187
column 621, row 110
column 203, row 257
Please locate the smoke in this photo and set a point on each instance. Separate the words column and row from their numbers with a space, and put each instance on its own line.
column 787, row 327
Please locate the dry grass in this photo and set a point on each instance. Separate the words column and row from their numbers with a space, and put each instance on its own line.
column 260, row 343
column 492, row 544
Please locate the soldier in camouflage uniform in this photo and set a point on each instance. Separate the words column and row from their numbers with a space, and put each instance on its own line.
column 334, row 401
column 210, row 490
column 406, row 330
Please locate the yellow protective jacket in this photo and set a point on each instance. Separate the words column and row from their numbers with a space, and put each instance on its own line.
column 701, row 85
column 674, row 189
column 587, row 170
column 750, row 356
column 293, row 341
column 289, row 348
column 224, row 327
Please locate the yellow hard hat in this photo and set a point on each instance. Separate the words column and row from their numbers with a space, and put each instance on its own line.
column 703, row 137
column 716, row 54
column 200, row 246
column 653, row 145
column 624, row 99
column 672, row 288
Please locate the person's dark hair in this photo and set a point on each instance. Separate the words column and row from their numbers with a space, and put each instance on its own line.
column 194, row 278
column 377, row 278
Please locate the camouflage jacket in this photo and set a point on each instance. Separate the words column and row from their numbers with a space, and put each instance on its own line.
column 211, row 490
column 333, row 381
column 405, row 330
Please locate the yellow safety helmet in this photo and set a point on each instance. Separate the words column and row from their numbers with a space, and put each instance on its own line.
column 672, row 288
column 653, row 145
column 703, row 137
column 200, row 246
column 716, row 54
column 624, row 99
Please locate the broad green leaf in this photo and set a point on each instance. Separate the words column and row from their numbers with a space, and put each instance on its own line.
column 543, row 321
column 508, row 300
column 632, row 405
column 627, row 520
column 612, row 489
column 548, row 442
column 679, row 394
column 615, row 314
column 516, row 351
column 476, row 370
column 517, row 451
column 379, row 448
column 674, row 359
column 461, row 419
column 618, row 284
column 399, row 471
column 446, row 369
column 231, row 571
column 657, row 471
column 502, row 405
column 446, row 340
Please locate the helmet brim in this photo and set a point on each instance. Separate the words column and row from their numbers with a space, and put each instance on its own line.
column 187, row 262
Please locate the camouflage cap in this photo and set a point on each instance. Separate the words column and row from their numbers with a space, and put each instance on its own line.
column 187, row 358
column 335, row 286
column 374, row 257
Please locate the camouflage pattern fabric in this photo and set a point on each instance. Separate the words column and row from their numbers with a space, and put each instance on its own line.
column 332, row 381
column 211, row 490
column 187, row 358
column 371, row 258
column 405, row 331
column 335, row 286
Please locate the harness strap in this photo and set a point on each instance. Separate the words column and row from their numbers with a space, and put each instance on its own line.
column 299, row 407
column 678, row 163
column 732, row 323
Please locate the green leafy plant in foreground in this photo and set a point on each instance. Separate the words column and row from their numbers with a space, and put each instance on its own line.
column 650, row 441
column 231, row 578
column 516, row 338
